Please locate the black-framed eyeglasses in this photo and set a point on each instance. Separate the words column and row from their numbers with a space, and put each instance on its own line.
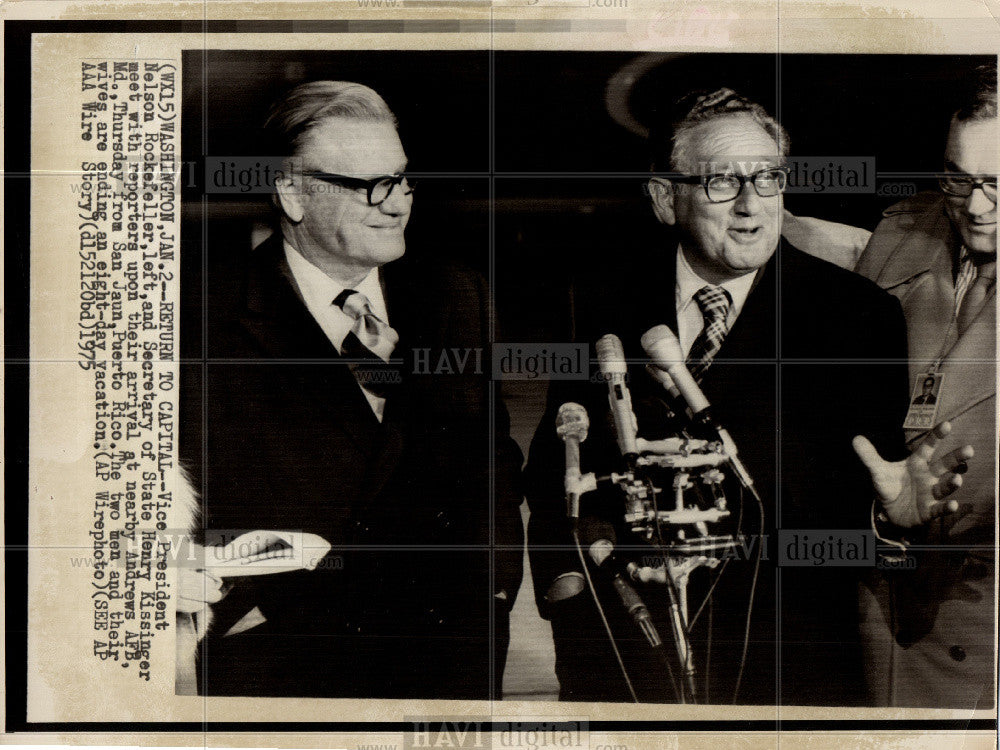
column 377, row 189
column 722, row 188
column 962, row 185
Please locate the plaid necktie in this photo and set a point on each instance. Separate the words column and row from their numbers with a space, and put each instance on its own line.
column 715, row 303
column 368, row 344
column 972, row 284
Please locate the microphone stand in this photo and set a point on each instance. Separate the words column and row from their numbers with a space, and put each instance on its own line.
column 692, row 554
column 684, row 556
column 680, row 455
column 682, row 639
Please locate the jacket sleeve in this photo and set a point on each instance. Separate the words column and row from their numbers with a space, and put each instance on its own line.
column 550, row 547
column 508, row 526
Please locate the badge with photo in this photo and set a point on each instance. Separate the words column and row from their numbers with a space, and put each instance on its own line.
column 922, row 414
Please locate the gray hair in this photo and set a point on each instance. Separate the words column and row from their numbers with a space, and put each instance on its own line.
column 700, row 107
column 309, row 104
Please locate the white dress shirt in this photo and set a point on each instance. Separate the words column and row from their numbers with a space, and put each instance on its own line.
column 690, row 321
column 319, row 291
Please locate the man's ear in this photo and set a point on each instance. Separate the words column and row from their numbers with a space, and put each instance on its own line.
column 661, row 196
column 290, row 198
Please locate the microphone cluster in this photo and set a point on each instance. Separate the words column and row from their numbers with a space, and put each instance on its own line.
column 712, row 450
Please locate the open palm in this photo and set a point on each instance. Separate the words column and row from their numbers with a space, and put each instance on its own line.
column 915, row 490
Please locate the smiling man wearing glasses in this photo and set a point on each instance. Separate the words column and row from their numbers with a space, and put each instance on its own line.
column 929, row 631
column 325, row 414
column 771, row 334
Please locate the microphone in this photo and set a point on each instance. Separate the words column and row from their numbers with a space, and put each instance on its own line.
column 664, row 350
column 600, row 538
column 565, row 586
column 663, row 378
column 611, row 357
column 572, row 424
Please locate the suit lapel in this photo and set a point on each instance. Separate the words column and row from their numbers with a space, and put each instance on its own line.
column 399, row 306
column 661, row 299
column 655, row 305
column 402, row 293
column 425, row 318
column 754, row 333
column 918, row 271
column 970, row 365
column 276, row 316
column 929, row 300
column 277, row 319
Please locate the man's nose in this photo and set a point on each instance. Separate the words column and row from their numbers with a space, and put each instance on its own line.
column 978, row 204
column 398, row 202
column 747, row 201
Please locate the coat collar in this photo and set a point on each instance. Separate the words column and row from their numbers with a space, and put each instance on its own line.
column 929, row 243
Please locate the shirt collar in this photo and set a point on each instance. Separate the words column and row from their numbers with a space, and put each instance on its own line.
column 689, row 282
column 319, row 290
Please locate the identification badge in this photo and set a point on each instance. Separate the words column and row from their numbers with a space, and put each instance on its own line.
column 922, row 414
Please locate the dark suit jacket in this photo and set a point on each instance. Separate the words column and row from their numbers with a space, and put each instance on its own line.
column 827, row 331
column 402, row 604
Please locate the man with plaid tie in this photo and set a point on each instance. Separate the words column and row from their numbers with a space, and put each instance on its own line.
column 929, row 631
column 769, row 332
column 323, row 415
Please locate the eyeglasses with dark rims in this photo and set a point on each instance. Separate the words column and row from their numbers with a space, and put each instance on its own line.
column 377, row 189
column 961, row 184
column 722, row 188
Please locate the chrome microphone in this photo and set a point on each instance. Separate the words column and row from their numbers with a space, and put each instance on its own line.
column 572, row 425
column 611, row 358
column 600, row 539
column 675, row 402
column 663, row 348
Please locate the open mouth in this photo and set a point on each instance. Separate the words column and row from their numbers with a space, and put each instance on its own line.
column 741, row 234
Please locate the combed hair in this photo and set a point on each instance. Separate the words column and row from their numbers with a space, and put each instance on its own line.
column 980, row 102
column 308, row 104
column 700, row 106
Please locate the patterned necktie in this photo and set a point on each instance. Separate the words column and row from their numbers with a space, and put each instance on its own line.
column 715, row 303
column 369, row 344
column 369, row 330
column 971, row 287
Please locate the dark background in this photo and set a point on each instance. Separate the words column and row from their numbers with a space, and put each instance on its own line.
column 565, row 195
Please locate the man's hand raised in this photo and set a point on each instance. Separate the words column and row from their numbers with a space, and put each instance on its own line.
column 915, row 491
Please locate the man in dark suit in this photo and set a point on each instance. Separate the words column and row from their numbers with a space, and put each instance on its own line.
column 328, row 411
column 770, row 332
